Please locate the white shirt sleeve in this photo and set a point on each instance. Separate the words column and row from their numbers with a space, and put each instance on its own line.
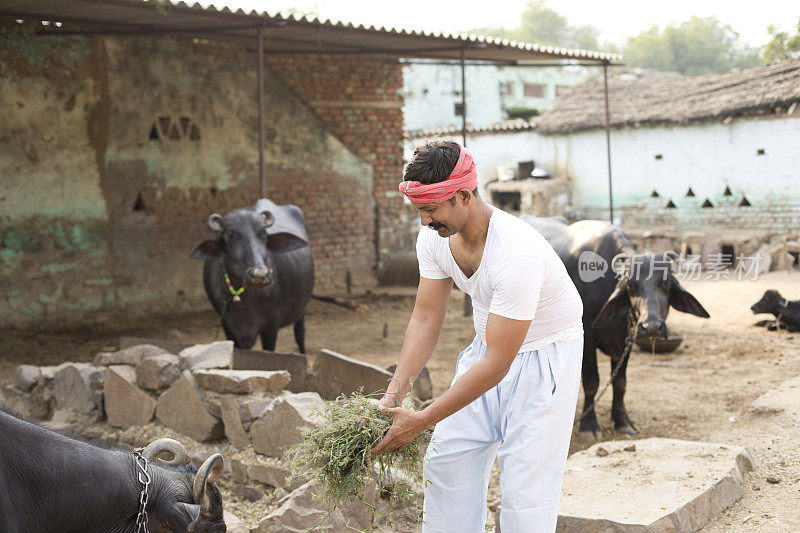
column 516, row 283
column 426, row 256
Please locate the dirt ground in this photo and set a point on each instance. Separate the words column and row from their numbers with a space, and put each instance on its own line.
column 700, row 392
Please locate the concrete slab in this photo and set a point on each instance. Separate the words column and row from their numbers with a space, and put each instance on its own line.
column 650, row 486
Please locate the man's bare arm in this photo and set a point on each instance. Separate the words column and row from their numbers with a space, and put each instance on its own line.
column 422, row 333
column 504, row 336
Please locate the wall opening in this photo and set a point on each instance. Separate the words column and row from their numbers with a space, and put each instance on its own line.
column 744, row 202
column 707, row 203
column 153, row 133
column 760, row 151
column 507, row 201
column 458, row 110
column 727, row 255
column 671, row 205
column 690, row 192
column 139, row 204
column 659, row 157
column 655, row 194
column 727, row 192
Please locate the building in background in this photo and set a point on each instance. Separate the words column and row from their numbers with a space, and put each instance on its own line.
column 432, row 93
column 527, row 92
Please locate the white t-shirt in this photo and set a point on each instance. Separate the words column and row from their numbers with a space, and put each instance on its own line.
column 520, row 276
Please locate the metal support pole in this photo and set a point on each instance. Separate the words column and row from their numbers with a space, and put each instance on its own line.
column 463, row 100
column 261, row 182
column 467, row 299
column 608, row 144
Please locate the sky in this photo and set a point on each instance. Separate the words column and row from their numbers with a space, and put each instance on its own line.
column 616, row 19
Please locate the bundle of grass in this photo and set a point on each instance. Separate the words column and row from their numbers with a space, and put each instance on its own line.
column 335, row 453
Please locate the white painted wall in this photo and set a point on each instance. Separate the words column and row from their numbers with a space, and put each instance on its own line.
column 431, row 92
column 706, row 157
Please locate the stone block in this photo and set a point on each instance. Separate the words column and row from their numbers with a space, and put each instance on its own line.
column 422, row 387
column 128, row 356
column 25, row 404
column 234, row 524
column 158, row 372
column 48, row 373
column 279, row 426
column 301, row 510
column 77, row 386
column 182, row 408
column 232, row 422
column 336, row 374
column 242, row 381
column 168, row 346
column 26, row 377
column 294, row 363
column 64, row 420
column 252, row 408
column 217, row 354
column 661, row 485
column 126, row 405
column 273, row 474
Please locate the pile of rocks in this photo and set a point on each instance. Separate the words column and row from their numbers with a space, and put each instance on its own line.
column 207, row 392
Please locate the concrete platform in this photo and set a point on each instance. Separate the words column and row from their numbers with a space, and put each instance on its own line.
column 650, row 486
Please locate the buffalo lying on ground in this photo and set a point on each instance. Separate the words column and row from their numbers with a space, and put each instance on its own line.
column 787, row 314
column 51, row 482
column 259, row 273
column 639, row 299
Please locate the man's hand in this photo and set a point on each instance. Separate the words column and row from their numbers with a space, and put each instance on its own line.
column 405, row 427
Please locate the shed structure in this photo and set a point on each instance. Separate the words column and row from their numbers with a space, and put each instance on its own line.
column 127, row 122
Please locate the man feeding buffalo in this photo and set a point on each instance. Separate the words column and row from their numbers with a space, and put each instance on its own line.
column 516, row 386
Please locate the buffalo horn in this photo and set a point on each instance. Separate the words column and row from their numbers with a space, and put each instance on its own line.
column 215, row 222
column 674, row 257
column 209, row 472
column 166, row 445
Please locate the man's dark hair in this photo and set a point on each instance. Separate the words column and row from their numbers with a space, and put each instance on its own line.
column 433, row 161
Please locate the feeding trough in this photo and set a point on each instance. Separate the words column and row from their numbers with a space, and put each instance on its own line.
column 663, row 345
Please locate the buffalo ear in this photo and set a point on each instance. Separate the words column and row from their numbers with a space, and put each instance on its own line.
column 208, row 249
column 617, row 305
column 284, row 242
column 683, row 301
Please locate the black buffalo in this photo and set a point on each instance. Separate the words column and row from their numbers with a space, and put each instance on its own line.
column 51, row 482
column 640, row 298
column 263, row 250
column 787, row 314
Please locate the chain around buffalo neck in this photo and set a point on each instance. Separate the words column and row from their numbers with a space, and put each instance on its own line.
column 144, row 478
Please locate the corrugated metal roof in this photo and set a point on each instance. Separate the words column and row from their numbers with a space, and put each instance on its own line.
column 506, row 126
column 283, row 33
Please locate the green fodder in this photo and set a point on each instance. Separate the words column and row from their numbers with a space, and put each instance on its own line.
column 335, row 453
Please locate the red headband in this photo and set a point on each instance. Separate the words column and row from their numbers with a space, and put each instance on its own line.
column 463, row 176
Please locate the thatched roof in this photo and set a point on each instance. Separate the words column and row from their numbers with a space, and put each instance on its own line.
column 641, row 97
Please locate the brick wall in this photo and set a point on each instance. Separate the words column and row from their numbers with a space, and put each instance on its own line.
column 358, row 99
column 118, row 149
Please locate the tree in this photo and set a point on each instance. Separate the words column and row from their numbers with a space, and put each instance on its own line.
column 543, row 25
column 782, row 46
column 696, row 46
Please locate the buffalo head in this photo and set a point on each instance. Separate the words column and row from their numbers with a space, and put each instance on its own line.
column 245, row 245
column 647, row 289
column 771, row 302
column 184, row 497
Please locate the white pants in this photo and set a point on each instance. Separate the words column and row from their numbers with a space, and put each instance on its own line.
column 526, row 421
